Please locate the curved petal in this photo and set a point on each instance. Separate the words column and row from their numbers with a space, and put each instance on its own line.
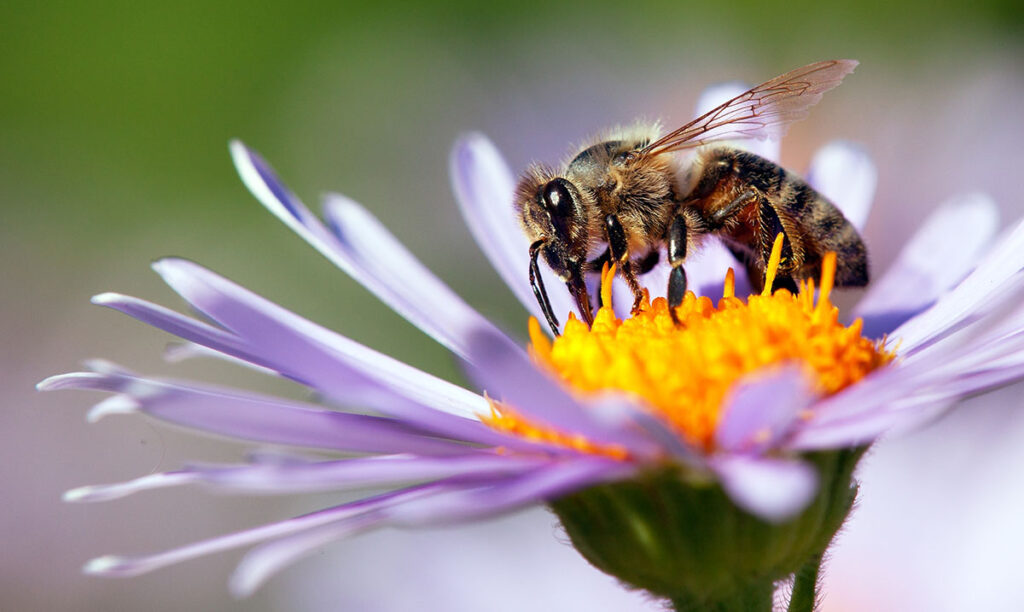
column 324, row 359
column 510, row 377
column 443, row 506
column 433, row 315
column 484, row 186
column 384, row 266
column 256, row 417
column 845, row 174
column 177, row 324
column 773, row 489
column 991, row 277
column 316, row 476
column 942, row 251
column 121, row 566
column 761, row 410
column 261, row 563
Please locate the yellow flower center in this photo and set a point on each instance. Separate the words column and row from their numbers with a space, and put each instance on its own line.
column 684, row 372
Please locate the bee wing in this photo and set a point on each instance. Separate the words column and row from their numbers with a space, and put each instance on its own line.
column 762, row 112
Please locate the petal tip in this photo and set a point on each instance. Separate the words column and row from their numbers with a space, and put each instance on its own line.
column 106, row 298
column 107, row 565
column 118, row 404
column 53, row 383
column 78, row 494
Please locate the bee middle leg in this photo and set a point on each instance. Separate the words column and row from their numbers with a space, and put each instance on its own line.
column 685, row 221
column 618, row 248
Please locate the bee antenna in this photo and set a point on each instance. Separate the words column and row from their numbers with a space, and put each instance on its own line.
column 537, row 284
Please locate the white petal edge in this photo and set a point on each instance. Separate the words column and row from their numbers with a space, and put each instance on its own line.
column 773, row 489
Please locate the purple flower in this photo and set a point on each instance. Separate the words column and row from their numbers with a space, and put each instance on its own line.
column 952, row 316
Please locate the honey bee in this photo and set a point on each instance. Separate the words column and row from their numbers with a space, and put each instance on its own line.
column 624, row 199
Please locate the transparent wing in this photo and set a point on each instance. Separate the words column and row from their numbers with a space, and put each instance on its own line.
column 762, row 112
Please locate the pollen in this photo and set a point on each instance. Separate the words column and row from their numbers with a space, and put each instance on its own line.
column 684, row 372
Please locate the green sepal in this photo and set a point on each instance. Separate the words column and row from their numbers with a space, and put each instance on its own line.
column 683, row 539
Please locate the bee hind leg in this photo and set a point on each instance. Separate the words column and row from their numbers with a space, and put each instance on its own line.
column 770, row 228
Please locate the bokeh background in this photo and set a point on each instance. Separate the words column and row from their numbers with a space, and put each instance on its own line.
column 114, row 119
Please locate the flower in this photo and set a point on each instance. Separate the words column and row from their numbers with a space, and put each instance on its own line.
column 779, row 442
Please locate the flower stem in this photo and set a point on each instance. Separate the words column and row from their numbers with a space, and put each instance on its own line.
column 754, row 598
column 805, row 586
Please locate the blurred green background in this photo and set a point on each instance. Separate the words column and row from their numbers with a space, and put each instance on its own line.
column 114, row 120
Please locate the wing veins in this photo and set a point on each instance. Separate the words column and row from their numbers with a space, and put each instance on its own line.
column 761, row 112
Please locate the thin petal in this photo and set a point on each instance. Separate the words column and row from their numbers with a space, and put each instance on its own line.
column 773, row 489
column 537, row 486
column 845, row 174
column 175, row 323
column 927, row 266
column 96, row 493
column 325, row 360
column 444, row 506
column 316, row 476
column 483, row 186
column 256, row 417
column 761, row 410
column 121, row 566
column 866, row 427
column 916, row 390
column 992, row 274
column 261, row 563
column 436, row 309
column 384, row 266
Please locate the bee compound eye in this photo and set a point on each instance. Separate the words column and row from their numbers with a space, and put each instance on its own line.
column 557, row 199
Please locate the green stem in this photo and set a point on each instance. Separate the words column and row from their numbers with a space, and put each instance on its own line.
column 805, row 586
column 755, row 598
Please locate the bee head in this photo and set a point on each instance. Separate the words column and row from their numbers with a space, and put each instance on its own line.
column 555, row 220
column 551, row 212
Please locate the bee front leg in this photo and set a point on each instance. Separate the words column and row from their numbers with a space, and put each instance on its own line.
column 618, row 247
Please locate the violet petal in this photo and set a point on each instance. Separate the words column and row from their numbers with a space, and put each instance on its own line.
column 449, row 505
column 510, row 376
column 761, row 409
column 541, row 484
column 326, row 361
column 328, row 475
column 259, row 418
column 484, row 186
column 123, row 566
column 383, row 265
column 991, row 276
column 926, row 267
column 434, row 315
column 773, row 489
